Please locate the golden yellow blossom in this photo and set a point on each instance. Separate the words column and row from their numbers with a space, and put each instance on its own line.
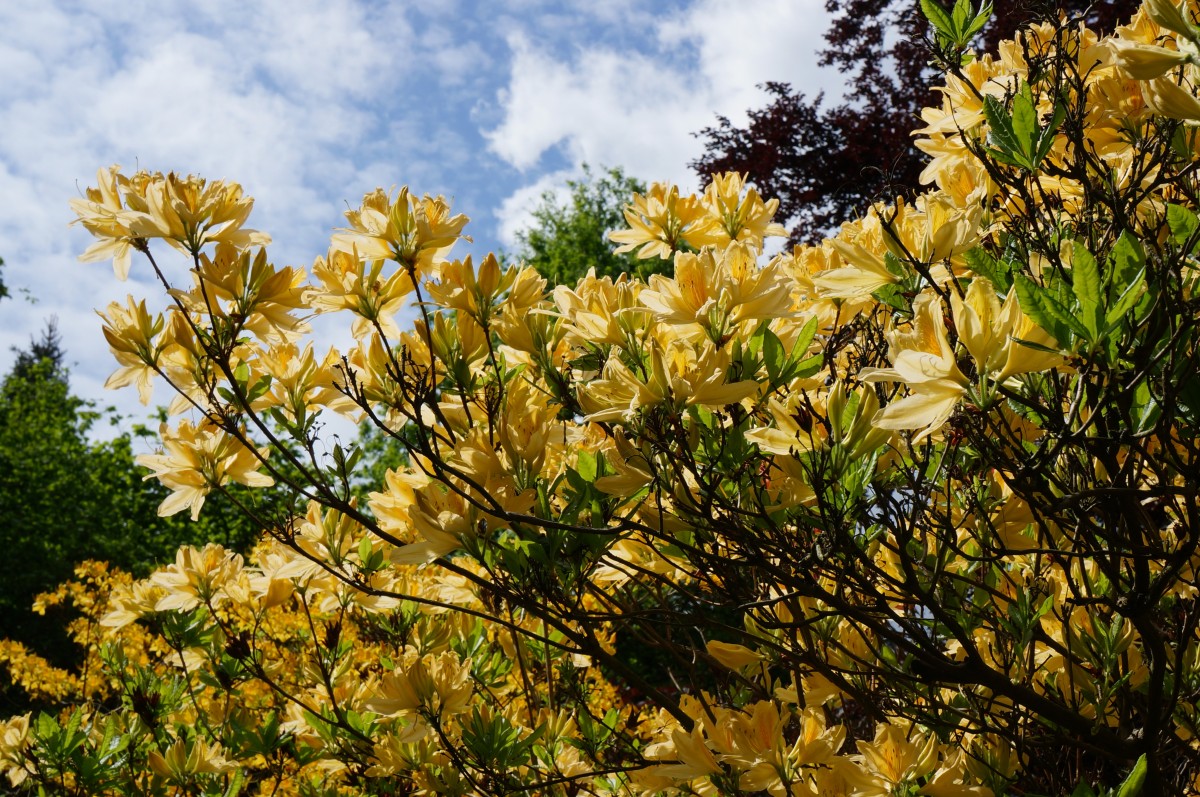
column 197, row 459
column 662, row 222
column 185, row 759
column 134, row 338
column 416, row 233
column 103, row 214
column 191, row 212
column 924, row 362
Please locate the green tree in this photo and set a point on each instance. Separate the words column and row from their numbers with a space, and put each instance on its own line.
column 65, row 498
column 568, row 238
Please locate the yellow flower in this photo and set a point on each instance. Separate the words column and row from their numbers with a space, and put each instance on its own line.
column 862, row 247
column 924, row 361
column 459, row 288
column 680, row 375
column 745, row 219
column 102, row 214
column 196, row 577
column 190, row 212
column 1167, row 98
column 732, row 656
column 131, row 334
column 443, row 518
column 198, row 459
column 600, row 311
column 416, row 233
column 1002, row 340
column 14, row 742
column 1145, row 61
column 691, row 753
column 184, row 760
column 241, row 285
column 1172, row 15
column 631, row 465
column 300, row 385
column 439, row 683
column 895, row 756
column 661, row 222
column 719, row 288
column 349, row 281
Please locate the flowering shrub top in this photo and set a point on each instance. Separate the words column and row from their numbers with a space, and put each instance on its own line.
column 912, row 511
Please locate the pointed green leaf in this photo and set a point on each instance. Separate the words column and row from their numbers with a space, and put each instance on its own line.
column 995, row 271
column 1000, row 126
column 1047, row 312
column 805, row 338
column 938, row 18
column 1024, row 121
column 809, row 366
column 1046, row 137
column 1183, row 223
column 1126, row 300
column 960, row 17
column 982, row 16
column 1126, row 260
column 772, row 354
column 585, row 466
column 1132, row 786
column 1017, row 160
column 1085, row 275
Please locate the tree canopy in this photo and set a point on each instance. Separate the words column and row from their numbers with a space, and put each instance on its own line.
column 566, row 239
column 826, row 164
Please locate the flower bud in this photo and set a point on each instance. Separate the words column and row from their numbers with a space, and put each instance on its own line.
column 1145, row 62
column 1165, row 97
column 1170, row 15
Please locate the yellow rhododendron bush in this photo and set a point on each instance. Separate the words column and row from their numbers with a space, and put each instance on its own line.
column 912, row 511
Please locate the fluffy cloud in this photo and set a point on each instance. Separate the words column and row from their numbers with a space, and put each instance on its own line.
column 640, row 110
column 272, row 93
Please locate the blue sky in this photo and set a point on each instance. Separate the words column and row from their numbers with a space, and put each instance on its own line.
column 311, row 103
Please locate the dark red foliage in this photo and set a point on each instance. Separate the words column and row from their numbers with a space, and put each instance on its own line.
column 826, row 164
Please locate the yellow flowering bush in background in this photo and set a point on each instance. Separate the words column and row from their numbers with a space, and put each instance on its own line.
column 913, row 511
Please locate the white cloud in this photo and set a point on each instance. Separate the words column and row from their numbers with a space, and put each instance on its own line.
column 640, row 110
column 742, row 45
column 277, row 95
column 516, row 211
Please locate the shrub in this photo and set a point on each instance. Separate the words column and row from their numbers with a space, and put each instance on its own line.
column 912, row 511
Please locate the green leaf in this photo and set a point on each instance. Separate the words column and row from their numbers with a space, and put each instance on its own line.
column 1146, row 410
column 1126, row 300
column 1046, row 138
column 1000, row 126
column 1183, row 223
column 893, row 296
column 982, row 16
column 1085, row 276
column 1084, row 789
column 938, row 18
column 805, row 338
column 809, row 366
column 1137, row 777
column 960, row 17
column 1126, row 260
column 585, row 466
column 1024, row 121
column 773, row 356
column 995, row 271
column 1046, row 311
